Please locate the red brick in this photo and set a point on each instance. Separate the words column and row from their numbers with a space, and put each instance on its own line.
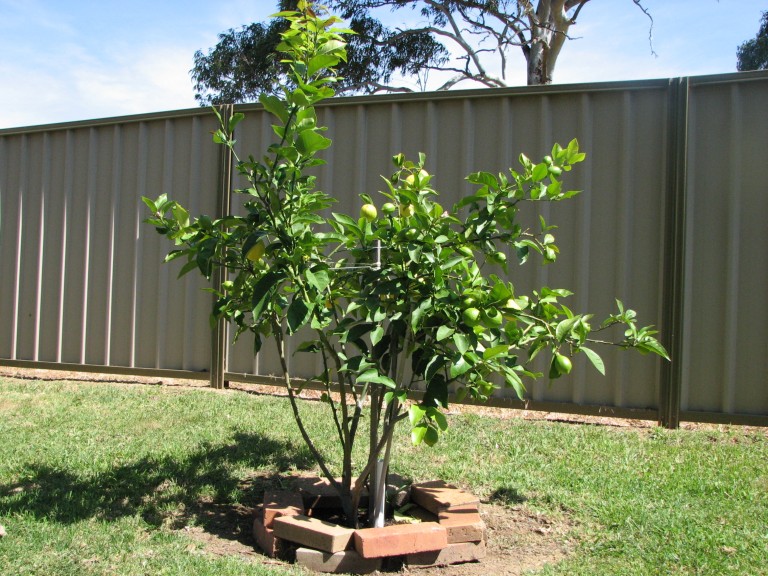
column 400, row 539
column 451, row 554
column 281, row 503
column 265, row 537
column 437, row 496
column 347, row 561
column 313, row 533
column 462, row 526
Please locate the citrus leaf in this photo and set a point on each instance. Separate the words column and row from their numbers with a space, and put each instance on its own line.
column 444, row 332
column 594, row 357
column 298, row 314
column 417, row 435
column 416, row 414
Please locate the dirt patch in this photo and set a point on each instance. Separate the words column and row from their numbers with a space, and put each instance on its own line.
column 517, row 539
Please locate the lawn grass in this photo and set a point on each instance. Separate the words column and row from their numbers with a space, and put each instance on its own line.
column 99, row 478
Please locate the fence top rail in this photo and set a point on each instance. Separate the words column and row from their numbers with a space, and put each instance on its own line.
column 113, row 120
column 472, row 93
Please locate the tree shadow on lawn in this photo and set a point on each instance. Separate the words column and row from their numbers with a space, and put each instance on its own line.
column 164, row 491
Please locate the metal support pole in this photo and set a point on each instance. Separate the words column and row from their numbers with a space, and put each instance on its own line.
column 675, row 253
column 223, row 207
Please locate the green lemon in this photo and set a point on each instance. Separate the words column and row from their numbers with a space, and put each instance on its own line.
column 465, row 251
column 492, row 318
column 388, row 208
column 563, row 364
column 498, row 257
column 471, row 316
column 468, row 302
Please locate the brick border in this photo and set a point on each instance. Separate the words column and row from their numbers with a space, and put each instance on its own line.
column 448, row 530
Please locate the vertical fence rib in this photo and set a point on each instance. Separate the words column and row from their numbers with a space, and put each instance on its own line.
column 219, row 347
column 674, row 266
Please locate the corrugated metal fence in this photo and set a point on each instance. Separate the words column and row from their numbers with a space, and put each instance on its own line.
column 672, row 222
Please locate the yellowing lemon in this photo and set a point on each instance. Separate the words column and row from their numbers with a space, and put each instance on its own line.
column 256, row 252
column 368, row 211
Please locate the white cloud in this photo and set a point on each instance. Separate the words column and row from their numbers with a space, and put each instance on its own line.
column 154, row 79
column 76, row 85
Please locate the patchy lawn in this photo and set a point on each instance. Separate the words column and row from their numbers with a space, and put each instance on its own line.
column 115, row 478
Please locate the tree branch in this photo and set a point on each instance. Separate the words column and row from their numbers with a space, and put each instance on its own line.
column 645, row 11
column 277, row 331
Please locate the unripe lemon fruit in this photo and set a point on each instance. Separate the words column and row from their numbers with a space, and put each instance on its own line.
column 498, row 257
column 407, row 210
column 468, row 302
column 471, row 316
column 563, row 364
column 256, row 252
column 368, row 211
column 465, row 251
column 411, row 179
column 492, row 318
column 388, row 208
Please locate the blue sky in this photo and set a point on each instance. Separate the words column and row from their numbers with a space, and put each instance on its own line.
column 64, row 60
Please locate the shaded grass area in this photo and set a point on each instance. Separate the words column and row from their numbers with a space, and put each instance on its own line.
column 104, row 479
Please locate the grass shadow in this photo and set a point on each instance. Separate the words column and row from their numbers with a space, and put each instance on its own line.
column 203, row 487
column 507, row 496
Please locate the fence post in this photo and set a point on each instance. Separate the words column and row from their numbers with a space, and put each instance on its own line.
column 223, row 207
column 675, row 253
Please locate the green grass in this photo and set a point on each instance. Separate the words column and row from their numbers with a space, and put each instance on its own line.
column 100, row 479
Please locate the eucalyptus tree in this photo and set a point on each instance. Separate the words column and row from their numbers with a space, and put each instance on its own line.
column 465, row 41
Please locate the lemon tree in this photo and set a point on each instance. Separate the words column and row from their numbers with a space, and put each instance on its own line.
column 412, row 295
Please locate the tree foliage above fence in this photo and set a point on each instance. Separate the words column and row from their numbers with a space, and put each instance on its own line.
column 753, row 54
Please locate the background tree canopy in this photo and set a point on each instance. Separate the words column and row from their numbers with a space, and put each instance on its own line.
column 753, row 54
column 464, row 40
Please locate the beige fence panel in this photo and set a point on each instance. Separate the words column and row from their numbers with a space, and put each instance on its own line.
column 725, row 330
column 612, row 235
column 82, row 276
column 671, row 222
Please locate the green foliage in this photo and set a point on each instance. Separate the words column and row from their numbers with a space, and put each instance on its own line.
column 245, row 62
column 409, row 300
column 753, row 54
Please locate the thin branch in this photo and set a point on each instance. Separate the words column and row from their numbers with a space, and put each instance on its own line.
column 334, row 410
column 645, row 11
column 280, row 342
column 457, row 34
